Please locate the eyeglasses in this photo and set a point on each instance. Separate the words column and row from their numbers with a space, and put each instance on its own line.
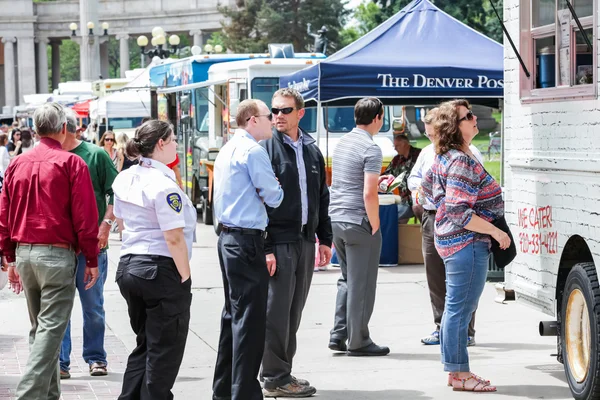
column 284, row 111
column 269, row 117
column 109, row 139
column 469, row 116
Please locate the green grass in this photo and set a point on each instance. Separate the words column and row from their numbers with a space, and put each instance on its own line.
column 481, row 141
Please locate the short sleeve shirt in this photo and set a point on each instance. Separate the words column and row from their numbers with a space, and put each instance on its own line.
column 149, row 201
column 355, row 155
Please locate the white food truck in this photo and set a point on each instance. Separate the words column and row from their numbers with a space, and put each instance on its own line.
column 551, row 173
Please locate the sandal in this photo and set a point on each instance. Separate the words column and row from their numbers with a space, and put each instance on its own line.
column 459, row 385
column 98, row 369
column 480, row 379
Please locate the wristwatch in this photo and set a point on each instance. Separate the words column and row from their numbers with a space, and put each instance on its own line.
column 110, row 222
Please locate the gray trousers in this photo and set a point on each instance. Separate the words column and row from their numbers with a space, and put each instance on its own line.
column 436, row 273
column 358, row 253
column 48, row 276
column 288, row 291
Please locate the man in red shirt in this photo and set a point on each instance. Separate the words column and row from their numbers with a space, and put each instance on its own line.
column 47, row 214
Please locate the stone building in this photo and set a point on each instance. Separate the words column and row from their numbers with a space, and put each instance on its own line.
column 29, row 30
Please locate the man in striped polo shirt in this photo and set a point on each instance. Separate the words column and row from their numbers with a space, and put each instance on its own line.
column 354, row 212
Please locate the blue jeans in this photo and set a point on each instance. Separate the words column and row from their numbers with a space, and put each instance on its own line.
column 466, row 271
column 92, row 304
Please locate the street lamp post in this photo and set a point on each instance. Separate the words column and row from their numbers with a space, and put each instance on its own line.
column 90, row 56
column 159, row 39
column 209, row 48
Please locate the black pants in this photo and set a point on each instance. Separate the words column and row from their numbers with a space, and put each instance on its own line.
column 243, row 323
column 159, row 312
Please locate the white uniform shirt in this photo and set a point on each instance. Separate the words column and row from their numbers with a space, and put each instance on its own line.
column 149, row 201
column 423, row 165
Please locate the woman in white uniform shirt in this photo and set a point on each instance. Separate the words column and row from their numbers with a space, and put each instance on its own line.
column 158, row 222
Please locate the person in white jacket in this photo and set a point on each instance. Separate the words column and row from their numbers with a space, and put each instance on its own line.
column 434, row 265
column 4, row 156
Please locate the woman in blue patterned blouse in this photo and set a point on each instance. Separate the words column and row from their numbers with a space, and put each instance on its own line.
column 468, row 199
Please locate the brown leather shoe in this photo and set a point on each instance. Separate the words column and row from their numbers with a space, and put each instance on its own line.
column 292, row 390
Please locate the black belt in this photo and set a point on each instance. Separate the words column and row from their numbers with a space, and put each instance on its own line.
column 243, row 231
column 431, row 211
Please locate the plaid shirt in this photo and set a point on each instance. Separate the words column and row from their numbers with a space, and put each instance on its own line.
column 403, row 165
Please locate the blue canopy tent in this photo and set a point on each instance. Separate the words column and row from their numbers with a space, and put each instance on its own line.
column 421, row 54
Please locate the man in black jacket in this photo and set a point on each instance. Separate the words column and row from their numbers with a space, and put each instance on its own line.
column 290, row 245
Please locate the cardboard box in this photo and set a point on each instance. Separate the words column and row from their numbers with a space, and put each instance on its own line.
column 409, row 244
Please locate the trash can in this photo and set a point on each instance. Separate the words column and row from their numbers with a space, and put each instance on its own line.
column 388, row 217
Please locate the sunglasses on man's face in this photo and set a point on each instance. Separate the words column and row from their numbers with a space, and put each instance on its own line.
column 469, row 116
column 269, row 117
column 284, row 111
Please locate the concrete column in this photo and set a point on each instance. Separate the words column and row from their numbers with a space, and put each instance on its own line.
column 197, row 34
column 123, row 39
column 104, row 64
column 55, row 64
column 26, row 63
column 42, row 67
column 10, row 82
column 89, row 50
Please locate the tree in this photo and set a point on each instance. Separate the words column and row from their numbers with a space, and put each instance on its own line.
column 259, row 22
column 69, row 61
column 477, row 14
column 367, row 17
column 241, row 34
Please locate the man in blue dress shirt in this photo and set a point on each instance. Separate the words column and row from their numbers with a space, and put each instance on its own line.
column 244, row 183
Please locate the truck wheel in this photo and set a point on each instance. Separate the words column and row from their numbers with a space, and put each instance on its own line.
column 580, row 335
column 207, row 214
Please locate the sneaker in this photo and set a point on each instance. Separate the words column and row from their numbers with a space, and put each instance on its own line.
column 301, row 382
column 65, row 374
column 471, row 341
column 433, row 339
column 292, row 390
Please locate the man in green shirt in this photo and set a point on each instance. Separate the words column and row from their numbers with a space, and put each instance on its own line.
column 103, row 173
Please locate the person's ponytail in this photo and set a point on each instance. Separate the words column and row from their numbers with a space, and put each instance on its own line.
column 147, row 137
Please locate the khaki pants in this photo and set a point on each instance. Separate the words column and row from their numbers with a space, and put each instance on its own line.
column 48, row 276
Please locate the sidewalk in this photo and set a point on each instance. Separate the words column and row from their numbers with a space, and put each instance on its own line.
column 509, row 350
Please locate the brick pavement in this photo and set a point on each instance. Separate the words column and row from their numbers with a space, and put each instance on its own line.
column 81, row 386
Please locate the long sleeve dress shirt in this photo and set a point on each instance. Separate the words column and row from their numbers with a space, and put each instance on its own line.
column 244, row 179
column 48, row 198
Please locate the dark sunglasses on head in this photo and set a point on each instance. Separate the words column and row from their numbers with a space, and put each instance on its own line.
column 284, row 111
column 109, row 139
column 468, row 117
column 269, row 117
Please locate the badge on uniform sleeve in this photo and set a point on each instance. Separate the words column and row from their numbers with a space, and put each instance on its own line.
column 174, row 201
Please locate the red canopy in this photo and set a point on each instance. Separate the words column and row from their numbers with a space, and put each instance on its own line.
column 82, row 109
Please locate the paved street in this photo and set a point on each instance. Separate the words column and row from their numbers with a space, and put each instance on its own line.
column 509, row 350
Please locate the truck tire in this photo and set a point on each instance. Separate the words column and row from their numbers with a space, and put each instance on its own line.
column 580, row 331
column 207, row 214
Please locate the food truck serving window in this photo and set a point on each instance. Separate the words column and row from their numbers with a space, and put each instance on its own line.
column 561, row 56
